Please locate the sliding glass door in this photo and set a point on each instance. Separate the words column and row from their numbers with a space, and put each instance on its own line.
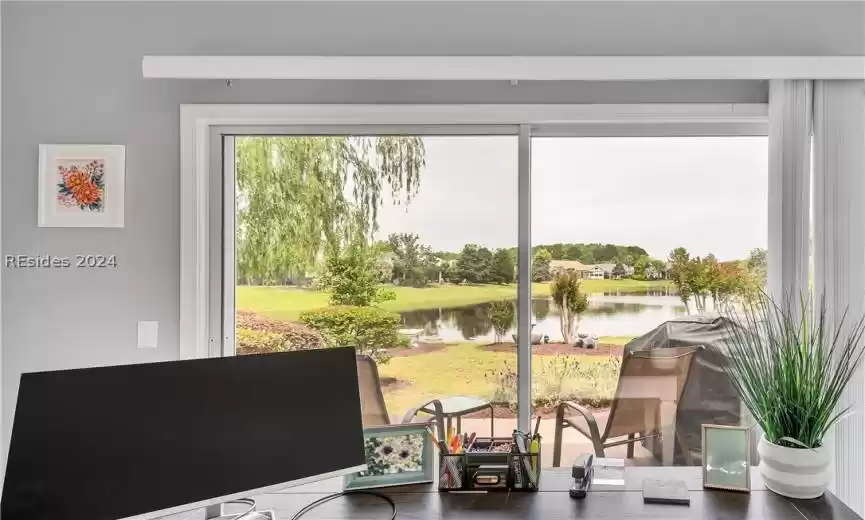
column 499, row 273
column 402, row 245
column 637, row 244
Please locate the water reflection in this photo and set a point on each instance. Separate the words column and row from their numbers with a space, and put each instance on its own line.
column 607, row 315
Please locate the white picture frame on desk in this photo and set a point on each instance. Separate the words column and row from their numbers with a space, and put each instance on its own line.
column 727, row 457
column 81, row 185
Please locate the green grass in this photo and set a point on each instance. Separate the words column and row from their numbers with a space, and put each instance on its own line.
column 288, row 303
column 463, row 369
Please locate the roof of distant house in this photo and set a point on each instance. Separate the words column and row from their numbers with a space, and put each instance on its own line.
column 605, row 267
column 569, row 264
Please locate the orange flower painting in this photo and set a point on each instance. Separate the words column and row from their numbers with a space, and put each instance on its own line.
column 82, row 185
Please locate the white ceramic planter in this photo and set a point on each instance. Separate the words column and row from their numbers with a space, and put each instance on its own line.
column 794, row 472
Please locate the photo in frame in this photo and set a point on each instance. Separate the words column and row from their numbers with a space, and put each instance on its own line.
column 727, row 457
column 81, row 185
column 396, row 455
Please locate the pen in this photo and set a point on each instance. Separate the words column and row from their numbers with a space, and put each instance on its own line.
column 471, row 441
column 534, row 448
column 437, row 443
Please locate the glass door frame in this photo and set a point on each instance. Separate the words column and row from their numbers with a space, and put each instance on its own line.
column 204, row 135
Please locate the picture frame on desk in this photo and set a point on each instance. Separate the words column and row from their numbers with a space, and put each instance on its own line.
column 396, row 455
column 726, row 457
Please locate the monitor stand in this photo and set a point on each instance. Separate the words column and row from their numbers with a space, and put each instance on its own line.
column 217, row 512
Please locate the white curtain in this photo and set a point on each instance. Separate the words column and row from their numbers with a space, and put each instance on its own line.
column 839, row 253
column 789, row 188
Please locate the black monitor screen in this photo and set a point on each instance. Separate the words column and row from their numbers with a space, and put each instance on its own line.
column 114, row 442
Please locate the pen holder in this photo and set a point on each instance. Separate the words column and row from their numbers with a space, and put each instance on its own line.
column 489, row 470
column 452, row 472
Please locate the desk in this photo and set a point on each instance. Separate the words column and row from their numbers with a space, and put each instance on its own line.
column 553, row 502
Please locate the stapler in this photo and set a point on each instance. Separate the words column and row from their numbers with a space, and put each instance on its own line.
column 582, row 473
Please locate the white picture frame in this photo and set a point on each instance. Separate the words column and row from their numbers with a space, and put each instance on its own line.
column 81, row 185
column 727, row 457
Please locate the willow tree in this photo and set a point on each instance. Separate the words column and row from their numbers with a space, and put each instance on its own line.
column 299, row 196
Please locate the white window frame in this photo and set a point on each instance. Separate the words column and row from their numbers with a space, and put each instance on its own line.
column 198, row 121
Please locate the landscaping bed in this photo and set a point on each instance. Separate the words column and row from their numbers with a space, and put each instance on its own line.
column 420, row 348
column 552, row 349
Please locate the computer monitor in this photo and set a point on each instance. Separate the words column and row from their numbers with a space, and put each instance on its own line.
column 149, row 440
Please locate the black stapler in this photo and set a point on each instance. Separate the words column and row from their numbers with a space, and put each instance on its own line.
column 582, row 473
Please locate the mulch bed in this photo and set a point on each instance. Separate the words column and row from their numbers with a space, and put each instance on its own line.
column 420, row 348
column 392, row 384
column 552, row 349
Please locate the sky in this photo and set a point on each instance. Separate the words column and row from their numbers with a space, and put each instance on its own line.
column 708, row 195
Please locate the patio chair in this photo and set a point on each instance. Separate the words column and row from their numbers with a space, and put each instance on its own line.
column 374, row 409
column 644, row 382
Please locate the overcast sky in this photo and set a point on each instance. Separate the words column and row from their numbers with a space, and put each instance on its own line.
column 706, row 194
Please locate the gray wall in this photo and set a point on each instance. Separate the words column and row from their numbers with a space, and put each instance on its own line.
column 72, row 74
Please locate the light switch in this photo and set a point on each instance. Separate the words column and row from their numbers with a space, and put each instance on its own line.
column 148, row 334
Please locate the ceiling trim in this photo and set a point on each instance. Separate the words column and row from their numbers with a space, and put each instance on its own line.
column 507, row 68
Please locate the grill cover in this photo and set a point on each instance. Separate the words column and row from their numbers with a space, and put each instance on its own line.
column 708, row 396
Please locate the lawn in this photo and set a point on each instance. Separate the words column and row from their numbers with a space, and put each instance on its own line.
column 466, row 369
column 287, row 303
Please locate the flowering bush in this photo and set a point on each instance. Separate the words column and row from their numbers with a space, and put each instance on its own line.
column 257, row 334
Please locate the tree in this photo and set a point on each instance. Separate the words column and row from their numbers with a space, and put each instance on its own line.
column 413, row 264
column 679, row 261
column 756, row 264
column 640, row 267
column 351, row 275
column 572, row 252
column 588, row 258
column 698, row 277
column 474, row 264
column 565, row 291
column 658, row 269
column 618, row 271
column 502, row 268
column 728, row 281
column 541, row 266
column 502, row 316
column 296, row 196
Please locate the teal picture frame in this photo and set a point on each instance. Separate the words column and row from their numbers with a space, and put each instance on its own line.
column 397, row 455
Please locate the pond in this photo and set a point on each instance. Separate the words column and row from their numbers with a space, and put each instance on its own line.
column 607, row 315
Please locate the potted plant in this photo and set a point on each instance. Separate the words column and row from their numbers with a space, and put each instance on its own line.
column 790, row 366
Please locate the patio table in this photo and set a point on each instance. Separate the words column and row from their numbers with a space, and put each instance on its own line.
column 457, row 407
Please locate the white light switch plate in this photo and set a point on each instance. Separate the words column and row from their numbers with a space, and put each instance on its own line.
column 148, row 334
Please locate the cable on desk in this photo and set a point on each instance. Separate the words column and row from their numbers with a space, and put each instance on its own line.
column 306, row 509
column 245, row 501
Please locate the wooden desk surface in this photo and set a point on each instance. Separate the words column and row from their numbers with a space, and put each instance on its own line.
column 553, row 503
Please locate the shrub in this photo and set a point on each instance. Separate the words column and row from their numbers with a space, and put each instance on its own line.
column 504, row 380
column 589, row 382
column 370, row 330
column 258, row 341
column 293, row 336
column 352, row 276
column 502, row 316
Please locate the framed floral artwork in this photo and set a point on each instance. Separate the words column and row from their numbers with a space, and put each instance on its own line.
column 396, row 455
column 81, row 185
